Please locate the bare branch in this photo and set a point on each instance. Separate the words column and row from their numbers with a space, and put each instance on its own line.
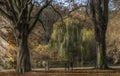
column 30, row 10
column 1, row 3
column 42, row 24
column 11, row 7
column 4, row 27
column 77, row 8
column 38, row 14
column 5, row 14
column 57, row 12
column 21, row 13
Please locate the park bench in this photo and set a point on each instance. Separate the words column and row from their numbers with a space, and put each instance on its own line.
column 58, row 64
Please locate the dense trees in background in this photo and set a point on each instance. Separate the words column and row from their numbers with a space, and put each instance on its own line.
column 66, row 38
column 68, row 32
column 71, row 40
column 112, row 38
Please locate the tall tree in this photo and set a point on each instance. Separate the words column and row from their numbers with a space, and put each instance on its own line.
column 19, row 13
column 99, row 12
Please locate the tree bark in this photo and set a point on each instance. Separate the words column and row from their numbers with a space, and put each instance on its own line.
column 101, row 51
column 19, row 12
column 99, row 12
column 23, row 59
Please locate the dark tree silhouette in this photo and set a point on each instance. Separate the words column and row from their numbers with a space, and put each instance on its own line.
column 99, row 12
column 19, row 13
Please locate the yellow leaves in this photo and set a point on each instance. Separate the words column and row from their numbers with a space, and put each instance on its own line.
column 11, row 59
column 40, row 48
column 70, row 21
column 44, row 52
column 87, row 34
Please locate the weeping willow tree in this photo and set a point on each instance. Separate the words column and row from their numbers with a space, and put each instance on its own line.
column 66, row 38
column 87, row 47
column 72, row 41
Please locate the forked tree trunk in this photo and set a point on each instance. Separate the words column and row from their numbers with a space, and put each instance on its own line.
column 99, row 12
column 101, row 51
column 23, row 59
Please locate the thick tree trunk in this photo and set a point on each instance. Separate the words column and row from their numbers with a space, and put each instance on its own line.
column 23, row 59
column 101, row 51
column 99, row 11
column 82, row 58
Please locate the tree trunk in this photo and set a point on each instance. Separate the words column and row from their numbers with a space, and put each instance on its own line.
column 23, row 59
column 99, row 11
column 101, row 51
column 82, row 57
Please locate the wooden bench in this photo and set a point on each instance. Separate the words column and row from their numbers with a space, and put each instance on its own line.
column 57, row 64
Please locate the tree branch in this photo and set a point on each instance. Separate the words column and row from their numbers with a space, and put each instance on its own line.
column 21, row 13
column 5, row 14
column 76, row 8
column 59, row 15
column 42, row 24
column 38, row 14
column 57, row 12
column 30, row 11
column 1, row 3
column 4, row 27
column 10, row 4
